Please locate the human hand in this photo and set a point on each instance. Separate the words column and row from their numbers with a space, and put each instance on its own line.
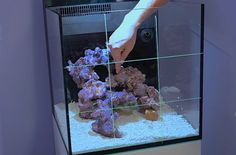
column 122, row 41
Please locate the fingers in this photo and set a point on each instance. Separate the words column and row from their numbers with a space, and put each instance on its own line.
column 118, row 67
column 116, row 55
column 124, row 55
column 117, row 49
column 117, row 58
column 119, row 55
column 128, row 48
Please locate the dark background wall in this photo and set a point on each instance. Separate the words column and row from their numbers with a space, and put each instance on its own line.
column 25, row 112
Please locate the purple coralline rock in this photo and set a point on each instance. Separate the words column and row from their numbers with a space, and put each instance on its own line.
column 112, row 82
column 92, row 89
column 87, row 73
column 105, row 118
column 86, row 108
column 129, row 77
column 121, row 78
column 153, row 93
column 96, row 101
column 140, row 89
column 121, row 98
column 151, row 101
column 82, row 70
column 81, row 74
column 148, row 103
column 98, row 56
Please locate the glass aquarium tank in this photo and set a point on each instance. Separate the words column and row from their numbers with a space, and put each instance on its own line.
column 155, row 99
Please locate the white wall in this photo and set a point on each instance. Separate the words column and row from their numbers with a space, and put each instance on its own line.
column 219, row 127
column 25, row 108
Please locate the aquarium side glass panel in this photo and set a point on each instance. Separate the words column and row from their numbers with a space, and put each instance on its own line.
column 56, row 73
column 179, row 29
column 180, row 58
column 180, row 90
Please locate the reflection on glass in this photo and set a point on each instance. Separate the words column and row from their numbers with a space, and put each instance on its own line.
column 181, row 34
column 179, row 78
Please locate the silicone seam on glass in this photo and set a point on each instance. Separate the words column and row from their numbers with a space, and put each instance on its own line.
column 137, row 106
column 139, row 60
column 184, row 100
column 109, row 74
column 158, row 64
column 157, row 50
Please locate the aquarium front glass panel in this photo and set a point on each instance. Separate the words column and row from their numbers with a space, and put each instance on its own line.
column 155, row 98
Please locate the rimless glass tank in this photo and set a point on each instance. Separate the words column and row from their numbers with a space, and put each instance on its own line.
column 155, row 99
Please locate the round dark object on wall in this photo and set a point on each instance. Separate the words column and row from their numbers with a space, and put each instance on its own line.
column 146, row 35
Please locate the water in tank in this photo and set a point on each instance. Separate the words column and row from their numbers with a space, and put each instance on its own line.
column 156, row 95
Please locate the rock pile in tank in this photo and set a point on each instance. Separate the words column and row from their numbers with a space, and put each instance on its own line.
column 99, row 100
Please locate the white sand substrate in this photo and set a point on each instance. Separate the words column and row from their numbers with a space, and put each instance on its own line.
column 133, row 126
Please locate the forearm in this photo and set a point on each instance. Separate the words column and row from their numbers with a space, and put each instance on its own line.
column 143, row 10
